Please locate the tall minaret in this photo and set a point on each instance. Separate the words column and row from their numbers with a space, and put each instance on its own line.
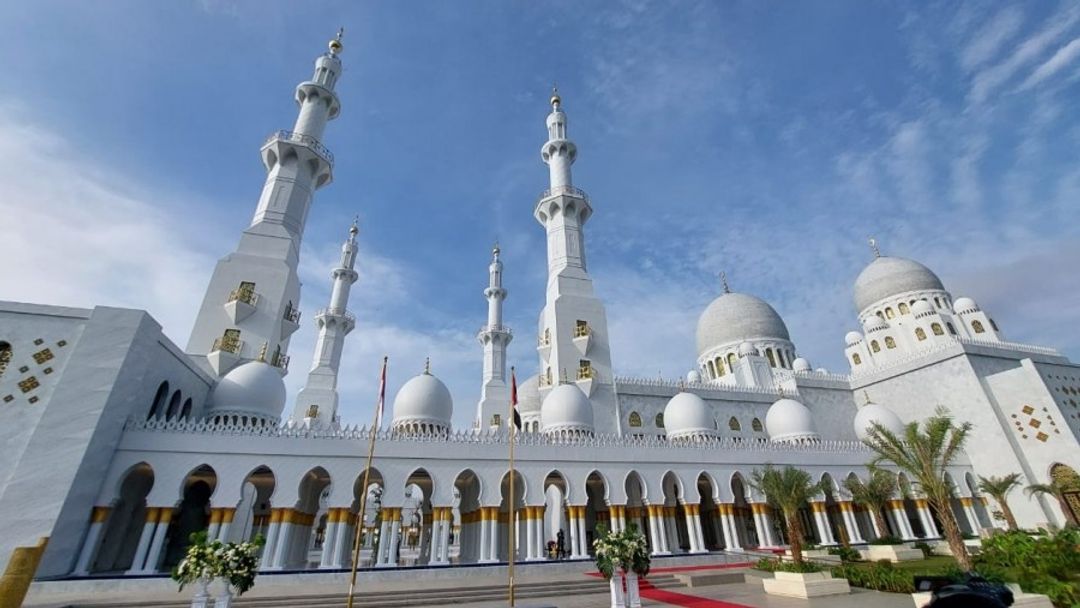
column 573, row 334
column 317, row 402
column 254, row 294
column 494, row 395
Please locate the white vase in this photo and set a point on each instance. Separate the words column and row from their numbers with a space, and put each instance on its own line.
column 200, row 598
column 225, row 596
column 617, row 598
column 633, row 597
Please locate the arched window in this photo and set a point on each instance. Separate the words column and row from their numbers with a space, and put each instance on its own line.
column 635, row 419
column 937, row 301
column 756, row 425
column 159, row 401
column 874, row 346
column 733, row 424
column 920, row 333
column 889, row 342
column 994, row 325
column 720, row 370
column 936, row 328
column 780, row 358
column 904, row 308
column 711, row 366
column 977, row 327
column 5, row 356
column 769, row 356
column 660, row 420
column 174, row 406
column 856, row 359
column 880, row 315
column 889, row 313
column 185, row 412
column 952, row 330
column 731, row 361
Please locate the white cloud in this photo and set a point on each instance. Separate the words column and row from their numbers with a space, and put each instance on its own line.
column 1062, row 58
column 988, row 39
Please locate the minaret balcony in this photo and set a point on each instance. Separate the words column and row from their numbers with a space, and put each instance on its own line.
column 564, row 191
column 224, row 354
column 290, row 321
column 495, row 333
column 281, row 362
column 240, row 304
column 307, row 141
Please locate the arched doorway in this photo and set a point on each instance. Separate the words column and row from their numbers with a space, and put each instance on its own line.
column 596, row 507
column 371, row 535
column 1066, row 478
column 710, row 514
column 252, row 516
column 678, row 536
column 502, row 529
column 124, row 527
column 636, row 513
column 417, row 517
column 466, row 532
column 741, row 514
column 557, row 521
column 193, row 514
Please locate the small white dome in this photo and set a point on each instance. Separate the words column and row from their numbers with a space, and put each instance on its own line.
column 747, row 349
column 687, row 416
column 875, row 412
column 875, row 323
column 734, row 317
column 965, row 305
column 254, row 389
column 423, row 400
column 566, row 409
column 852, row 338
column 801, row 365
column 789, row 420
column 886, row 277
column 921, row 308
column 693, row 376
column 529, row 396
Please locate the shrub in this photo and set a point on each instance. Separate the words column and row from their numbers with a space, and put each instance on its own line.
column 1045, row 564
column 772, row 564
column 887, row 540
column 768, row 564
column 927, row 550
column 879, row 577
column 846, row 554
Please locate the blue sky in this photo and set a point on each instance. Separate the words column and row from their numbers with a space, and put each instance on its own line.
column 764, row 139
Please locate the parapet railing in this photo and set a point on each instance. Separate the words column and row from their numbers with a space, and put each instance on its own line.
column 336, row 312
column 305, row 140
column 559, row 190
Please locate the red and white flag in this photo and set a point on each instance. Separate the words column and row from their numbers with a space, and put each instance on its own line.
column 382, row 395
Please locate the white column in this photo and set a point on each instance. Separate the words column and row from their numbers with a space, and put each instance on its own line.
column 583, row 538
column 902, row 523
column 285, row 539
column 149, row 525
column 672, row 529
column 928, row 518
column 969, row 513
column 273, row 531
column 654, row 531
column 383, row 553
column 851, row 523
column 227, row 515
column 485, row 544
column 698, row 530
column 493, row 534
column 530, row 534
column 153, row 557
column 541, row 544
column 444, row 544
column 395, row 536
column 759, row 525
column 662, row 529
column 215, row 524
column 98, row 516
column 329, row 539
column 572, row 511
column 691, row 531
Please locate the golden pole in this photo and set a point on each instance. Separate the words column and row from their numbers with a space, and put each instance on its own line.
column 513, row 497
column 364, row 488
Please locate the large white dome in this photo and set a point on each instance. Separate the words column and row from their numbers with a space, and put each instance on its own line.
column 789, row 420
column 566, row 410
column 889, row 276
column 734, row 317
column 687, row 416
column 424, row 400
column 254, row 389
column 875, row 412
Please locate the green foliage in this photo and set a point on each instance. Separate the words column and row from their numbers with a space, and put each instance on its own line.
column 772, row 564
column 999, row 486
column 927, row 550
column 238, row 563
column 846, row 554
column 876, row 492
column 886, row 540
column 787, row 489
column 768, row 564
column 880, row 576
column 1045, row 564
column 626, row 549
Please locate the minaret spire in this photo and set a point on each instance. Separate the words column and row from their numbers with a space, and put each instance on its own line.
column 494, row 337
column 254, row 293
column 317, row 402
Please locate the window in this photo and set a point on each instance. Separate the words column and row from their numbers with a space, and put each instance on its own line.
column 920, row 333
column 756, row 425
column 937, row 301
column 731, row 361
column 174, row 406
column 856, row 359
column 660, row 420
column 733, row 424
column 993, row 325
column 584, row 370
column 581, row 329
column 889, row 342
column 711, row 367
column 880, row 315
column 780, row 357
column 245, row 293
column 889, row 313
column 769, row 356
column 936, row 328
column 5, row 357
column 496, row 420
column 545, row 340
column 904, row 308
column 874, row 346
column 159, row 401
column 720, row 370
column 952, row 330
column 635, row 419
column 977, row 327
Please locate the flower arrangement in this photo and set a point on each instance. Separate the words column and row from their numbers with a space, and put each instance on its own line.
column 626, row 549
column 237, row 563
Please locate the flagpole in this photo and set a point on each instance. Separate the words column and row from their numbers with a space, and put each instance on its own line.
column 364, row 487
column 511, row 425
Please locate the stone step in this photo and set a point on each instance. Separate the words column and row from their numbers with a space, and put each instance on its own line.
column 402, row 599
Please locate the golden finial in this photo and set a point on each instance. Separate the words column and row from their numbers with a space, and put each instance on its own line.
column 723, row 281
column 427, row 366
column 335, row 44
column 262, row 352
column 355, row 228
column 555, row 99
column 495, row 251
column 874, row 247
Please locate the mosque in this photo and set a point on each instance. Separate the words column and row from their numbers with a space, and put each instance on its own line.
column 118, row 443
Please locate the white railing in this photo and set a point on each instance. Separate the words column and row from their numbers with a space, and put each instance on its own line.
column 559, row 190
column 336, row 312
column 305, row 140
column 625, row 381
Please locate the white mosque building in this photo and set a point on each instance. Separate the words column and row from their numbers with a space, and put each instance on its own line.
column 118, row 443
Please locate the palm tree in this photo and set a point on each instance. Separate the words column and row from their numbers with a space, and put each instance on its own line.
column 924, row 454
column 1055, row 488
column 999, row 488
column 875, row 494
column 787, row 490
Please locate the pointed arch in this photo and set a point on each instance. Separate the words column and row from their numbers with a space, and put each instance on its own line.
column 158, row 406
column 733, row 424
column 6, row 353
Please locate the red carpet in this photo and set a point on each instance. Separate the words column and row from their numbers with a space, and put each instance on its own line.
column 682, row 599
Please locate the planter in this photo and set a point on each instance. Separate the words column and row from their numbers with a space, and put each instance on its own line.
column 893, row 553
column 225, row 596
column 810, row 553
column 617, row 598
column 201, row 597
column 633, row 594
column 1020, row 599
column 805, row 585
